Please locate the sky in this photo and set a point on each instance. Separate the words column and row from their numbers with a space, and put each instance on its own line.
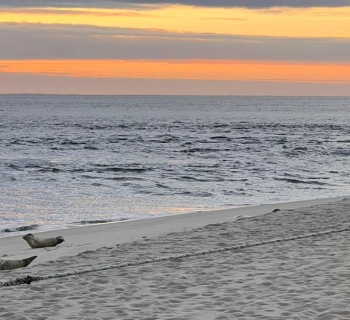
column 194, row 47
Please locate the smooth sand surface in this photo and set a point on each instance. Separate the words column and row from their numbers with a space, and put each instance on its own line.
column 302, row 279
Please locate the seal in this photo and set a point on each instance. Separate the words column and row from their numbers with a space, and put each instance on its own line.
column 35, row 242
column 9, row 264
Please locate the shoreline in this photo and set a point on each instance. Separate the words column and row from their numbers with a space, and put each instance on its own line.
column 78, row 225
column 301, row 279
column 87, row 238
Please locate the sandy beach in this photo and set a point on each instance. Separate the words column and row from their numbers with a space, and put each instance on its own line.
column 302, row 279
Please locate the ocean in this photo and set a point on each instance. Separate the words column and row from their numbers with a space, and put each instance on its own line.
column 69, row 161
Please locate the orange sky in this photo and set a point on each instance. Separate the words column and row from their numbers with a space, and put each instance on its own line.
column 320, row 55
column 312, row 22
column 182, row 69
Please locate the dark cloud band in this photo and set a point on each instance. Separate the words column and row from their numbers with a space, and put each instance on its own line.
column 38, row 41
column 253, row 4
column 250, row 3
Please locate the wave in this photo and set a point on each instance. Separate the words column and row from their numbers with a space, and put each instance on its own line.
column 111, row 178
column 22, row 228
column 116, row 169
column 343, row 141
column 53, row 170
column 341, row 153
column 193, row 150
column 165, row 138
column 293, row 176
column 83, row 222
column 89, row 147
column 160, row 185
column 203, row 194
column 290, row 180
column 220, row 138
column 122, row 169
column 209, row 179
column 124, row 178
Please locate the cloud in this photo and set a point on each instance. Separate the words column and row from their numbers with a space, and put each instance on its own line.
column 73, row 12
column 40, row 41
column 75, row 4
column 253, row 4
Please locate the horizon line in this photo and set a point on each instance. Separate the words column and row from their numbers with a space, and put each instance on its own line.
column 168, row 95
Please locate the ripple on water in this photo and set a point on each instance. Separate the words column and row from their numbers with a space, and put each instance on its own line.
column 74, row 159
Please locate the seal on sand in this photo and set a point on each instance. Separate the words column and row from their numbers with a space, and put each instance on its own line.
column 8, row 264
column 35, row 242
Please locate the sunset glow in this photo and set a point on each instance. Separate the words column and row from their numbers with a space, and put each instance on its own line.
column 127, row 40
column 191, row 69
column 313, row 22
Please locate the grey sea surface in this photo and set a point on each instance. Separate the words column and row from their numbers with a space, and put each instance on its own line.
column 76, row 160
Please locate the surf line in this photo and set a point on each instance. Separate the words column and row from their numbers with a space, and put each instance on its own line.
column 30, row 279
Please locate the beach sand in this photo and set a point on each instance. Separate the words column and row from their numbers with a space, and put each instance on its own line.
column 302, row 279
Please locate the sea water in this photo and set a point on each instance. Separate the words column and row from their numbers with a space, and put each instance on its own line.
column 75, row 160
